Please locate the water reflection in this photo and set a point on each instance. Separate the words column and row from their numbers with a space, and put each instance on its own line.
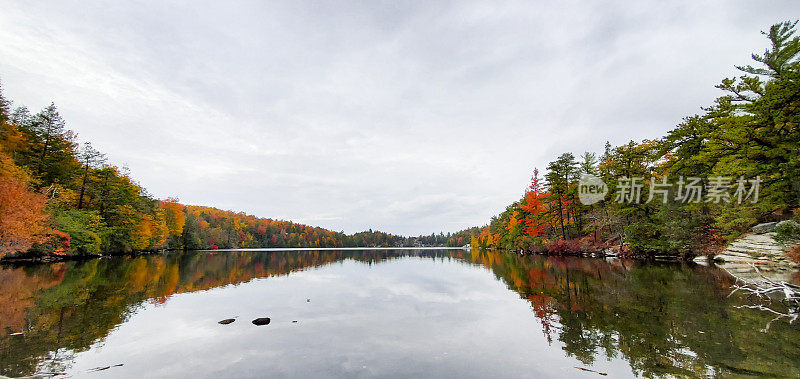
column 384, row 313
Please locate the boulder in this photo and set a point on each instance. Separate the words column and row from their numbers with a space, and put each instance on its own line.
column 766, row 227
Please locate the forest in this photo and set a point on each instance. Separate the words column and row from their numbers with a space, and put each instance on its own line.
column 59, row 198
column 741, row 154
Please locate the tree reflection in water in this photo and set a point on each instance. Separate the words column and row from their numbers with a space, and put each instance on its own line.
column 663, row 319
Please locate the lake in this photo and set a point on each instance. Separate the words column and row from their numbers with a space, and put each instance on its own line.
column 382, row 313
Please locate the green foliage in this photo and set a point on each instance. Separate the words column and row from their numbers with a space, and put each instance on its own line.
column 588, row 164
column 5, row 107
column 561, row 176
column 84, row 227
column 787, row 232
column 784, row 52
column 50, row 152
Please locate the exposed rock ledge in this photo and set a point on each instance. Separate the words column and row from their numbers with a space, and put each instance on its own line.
column 758, row 249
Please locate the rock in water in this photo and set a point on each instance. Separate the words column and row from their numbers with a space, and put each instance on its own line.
column 227, row 321
column 261, row 321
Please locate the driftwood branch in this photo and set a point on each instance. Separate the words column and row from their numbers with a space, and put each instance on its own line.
column 768, row 291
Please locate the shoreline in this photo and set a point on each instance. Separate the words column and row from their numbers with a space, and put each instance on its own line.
column 717, row 261
column 76, row 258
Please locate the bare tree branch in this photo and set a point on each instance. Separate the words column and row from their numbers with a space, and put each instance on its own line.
column 762, row 289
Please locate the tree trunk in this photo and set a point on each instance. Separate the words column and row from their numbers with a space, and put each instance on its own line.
column 83, row 186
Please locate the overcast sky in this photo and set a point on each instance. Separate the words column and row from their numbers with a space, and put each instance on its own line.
column 407, row 117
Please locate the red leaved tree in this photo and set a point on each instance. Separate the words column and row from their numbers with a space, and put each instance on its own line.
column 533, row 204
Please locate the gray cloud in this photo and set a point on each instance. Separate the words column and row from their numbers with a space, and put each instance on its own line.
column 409, row 117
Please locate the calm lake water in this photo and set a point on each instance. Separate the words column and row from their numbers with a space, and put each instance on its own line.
column 386, row 313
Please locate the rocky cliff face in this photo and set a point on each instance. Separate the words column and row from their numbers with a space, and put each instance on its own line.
column 757, row 249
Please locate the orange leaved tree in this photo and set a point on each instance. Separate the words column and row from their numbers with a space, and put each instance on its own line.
column 23, row 221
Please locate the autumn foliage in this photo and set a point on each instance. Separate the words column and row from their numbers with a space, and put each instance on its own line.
column 534, row 207
column 58, row 198
column 23, row 221
column 749, row 134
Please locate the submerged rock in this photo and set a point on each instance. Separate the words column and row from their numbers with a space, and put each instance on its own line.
column 261, row 321
column 103, row 368
column 227, row 321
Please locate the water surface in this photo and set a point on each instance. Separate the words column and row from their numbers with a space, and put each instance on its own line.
column 386, row 313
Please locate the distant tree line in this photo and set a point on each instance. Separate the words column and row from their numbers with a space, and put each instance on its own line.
column 61, row 198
